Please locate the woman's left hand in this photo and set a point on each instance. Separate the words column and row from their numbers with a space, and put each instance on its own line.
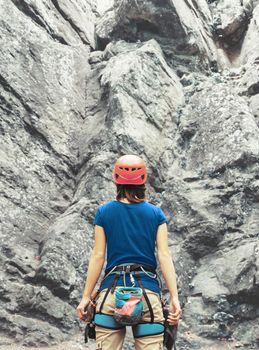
column 81, row 309
column 175, row 311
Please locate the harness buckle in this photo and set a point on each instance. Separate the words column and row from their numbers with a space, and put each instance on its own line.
column 127, row 269
column 132, row 280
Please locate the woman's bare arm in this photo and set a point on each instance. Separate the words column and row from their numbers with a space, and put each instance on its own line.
column 165, row 260
column 168, row 270
column 96, row 261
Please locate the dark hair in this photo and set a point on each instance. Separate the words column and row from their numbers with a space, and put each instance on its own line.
column 133, row 193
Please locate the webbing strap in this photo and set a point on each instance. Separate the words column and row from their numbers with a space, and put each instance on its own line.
column 146, row 297
column 145, row 329
column 111, row 287
column 130, row 267
column 107, row 321
column 170, row 331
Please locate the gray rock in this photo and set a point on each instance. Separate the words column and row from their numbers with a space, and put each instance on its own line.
column 174, row 23
column 176, row 94
column 68, row 22
column 103, row 6
column 138, row 83
column 247, row 334
column 80, row 16
column 41, row 98
column 250, row 46
column 254, row 107
column 249, row 82
column 200, row 316
column 226, row 278
column 225, row 135
column 230, row 19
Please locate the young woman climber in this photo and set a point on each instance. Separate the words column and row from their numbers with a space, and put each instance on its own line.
column 130, row 229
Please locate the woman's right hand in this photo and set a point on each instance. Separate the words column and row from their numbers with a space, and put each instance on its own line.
column 175, row 311
column 81, row 309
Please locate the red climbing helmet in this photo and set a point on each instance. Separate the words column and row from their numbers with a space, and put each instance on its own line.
column 130, row 170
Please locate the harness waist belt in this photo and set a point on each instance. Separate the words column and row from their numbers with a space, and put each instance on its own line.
column 144, row 329
column 106, row 321
column 129, row 268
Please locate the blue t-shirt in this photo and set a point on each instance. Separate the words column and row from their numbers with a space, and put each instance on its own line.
column 130, row 230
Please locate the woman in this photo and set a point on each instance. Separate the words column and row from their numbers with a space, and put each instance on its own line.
column 131, row 227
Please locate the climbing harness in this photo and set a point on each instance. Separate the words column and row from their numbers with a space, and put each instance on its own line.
column 140, row 329
column 129, row 307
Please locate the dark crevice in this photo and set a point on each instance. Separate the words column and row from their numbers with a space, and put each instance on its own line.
column 40, row 248
column 17, row 266
column 248, row 297
column 5, row 105
column 33, row 14
column 138, row 27
column 146, row 26
column 253, row 89
column 241, row 163
column 5, row 299
column 61, row 175
column 232, row 43
column 31, row 129
column 41, row 280
column 101, row 43
column 72, row 24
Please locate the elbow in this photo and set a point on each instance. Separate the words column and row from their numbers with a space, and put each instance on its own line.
column 163, row 256
column 98, row 257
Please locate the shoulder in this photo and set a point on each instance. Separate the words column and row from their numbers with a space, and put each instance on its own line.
column 153, row 207
column 106, row 205
column 101, row 213
column 158, row 212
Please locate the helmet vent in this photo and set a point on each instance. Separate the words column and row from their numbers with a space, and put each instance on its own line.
column 133, row 169
column 127, row 169
column 139, row 168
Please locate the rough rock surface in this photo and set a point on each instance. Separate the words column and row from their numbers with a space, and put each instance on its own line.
column 82, row 82
column 182, row 26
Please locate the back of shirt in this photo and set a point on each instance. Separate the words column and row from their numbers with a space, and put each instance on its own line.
column 130, row 231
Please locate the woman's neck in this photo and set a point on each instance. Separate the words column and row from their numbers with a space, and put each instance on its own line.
column 124, row 200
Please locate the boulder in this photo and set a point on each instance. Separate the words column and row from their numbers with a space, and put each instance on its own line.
column 141, row 92
column 250, row 47
column 231, row 19
column 218, row 131
column 232, row 280
column 182, row 25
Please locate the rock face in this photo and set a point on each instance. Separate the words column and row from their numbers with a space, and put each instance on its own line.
column 82, row 83
column 184, row 26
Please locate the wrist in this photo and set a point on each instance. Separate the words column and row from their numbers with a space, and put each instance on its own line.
column 174, row 297
column 86, row 297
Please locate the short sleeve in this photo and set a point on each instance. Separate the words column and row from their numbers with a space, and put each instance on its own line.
column 98, row 217
column 161, row 216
